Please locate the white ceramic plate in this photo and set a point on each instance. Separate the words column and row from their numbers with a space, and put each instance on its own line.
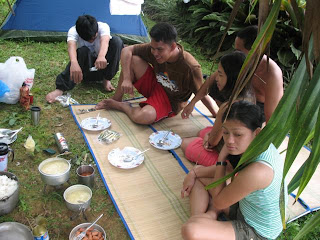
column 117, row 157
column 173, row 141
column 5, row 139
column 88, row 123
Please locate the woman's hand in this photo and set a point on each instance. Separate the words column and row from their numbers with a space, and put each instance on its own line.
column 187, row 111
column 206, row 143
column 188, row 183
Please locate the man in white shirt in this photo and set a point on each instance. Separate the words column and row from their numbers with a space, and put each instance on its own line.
column 94, row 56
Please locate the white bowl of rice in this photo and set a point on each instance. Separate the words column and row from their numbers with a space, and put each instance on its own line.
column 9, row 192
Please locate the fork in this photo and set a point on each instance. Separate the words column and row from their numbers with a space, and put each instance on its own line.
column 96, row 124
column 162, row 140
column 82, row 234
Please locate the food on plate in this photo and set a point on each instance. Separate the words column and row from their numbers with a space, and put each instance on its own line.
column 108, row 136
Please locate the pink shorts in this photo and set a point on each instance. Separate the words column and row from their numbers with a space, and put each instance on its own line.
column 195, row 151
column 148, row 86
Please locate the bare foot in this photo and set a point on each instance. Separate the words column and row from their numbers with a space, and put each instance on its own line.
column 108, row 86
column 51, row 97
column 109, row 104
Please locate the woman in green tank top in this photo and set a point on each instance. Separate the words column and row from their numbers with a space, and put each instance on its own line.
column 251, row 200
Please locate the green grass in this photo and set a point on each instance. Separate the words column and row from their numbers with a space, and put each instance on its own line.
column 48, row 60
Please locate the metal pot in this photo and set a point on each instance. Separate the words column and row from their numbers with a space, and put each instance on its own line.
column 54, row 179
column 8, row 204
column 15, row 230
column 72, row 234
column 81, row 206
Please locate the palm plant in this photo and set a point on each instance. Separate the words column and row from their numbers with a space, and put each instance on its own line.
column 300, row 103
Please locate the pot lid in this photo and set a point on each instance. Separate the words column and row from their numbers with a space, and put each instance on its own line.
column 4, row 148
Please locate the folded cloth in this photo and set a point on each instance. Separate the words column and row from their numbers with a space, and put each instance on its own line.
column 125, row 7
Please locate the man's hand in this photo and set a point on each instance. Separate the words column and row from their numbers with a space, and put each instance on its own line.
column 127, row 87
column 101, row 62
column 76, row 72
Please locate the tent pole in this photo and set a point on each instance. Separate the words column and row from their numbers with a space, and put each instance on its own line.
column 11, row 8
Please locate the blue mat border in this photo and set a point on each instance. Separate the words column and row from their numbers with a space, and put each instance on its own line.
column 99, row 169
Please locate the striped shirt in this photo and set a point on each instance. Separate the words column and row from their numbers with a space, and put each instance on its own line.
column 261, row 209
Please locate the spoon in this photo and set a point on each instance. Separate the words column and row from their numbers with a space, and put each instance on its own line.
column 95, row 125
column 130, row 159
column 162, row 140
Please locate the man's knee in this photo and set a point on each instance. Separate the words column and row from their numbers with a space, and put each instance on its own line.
column 83, row 51
column 138, row 66
column 116, row 42
column 147, row 115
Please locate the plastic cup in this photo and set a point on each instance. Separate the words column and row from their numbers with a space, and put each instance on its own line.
column 86, row 175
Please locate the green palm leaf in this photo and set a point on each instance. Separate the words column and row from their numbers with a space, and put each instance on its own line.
column 313, row 160
column 305, row 121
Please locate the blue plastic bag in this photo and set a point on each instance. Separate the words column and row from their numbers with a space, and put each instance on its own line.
column 3, row 88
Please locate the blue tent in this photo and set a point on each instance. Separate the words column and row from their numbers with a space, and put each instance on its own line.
column 51, row 19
